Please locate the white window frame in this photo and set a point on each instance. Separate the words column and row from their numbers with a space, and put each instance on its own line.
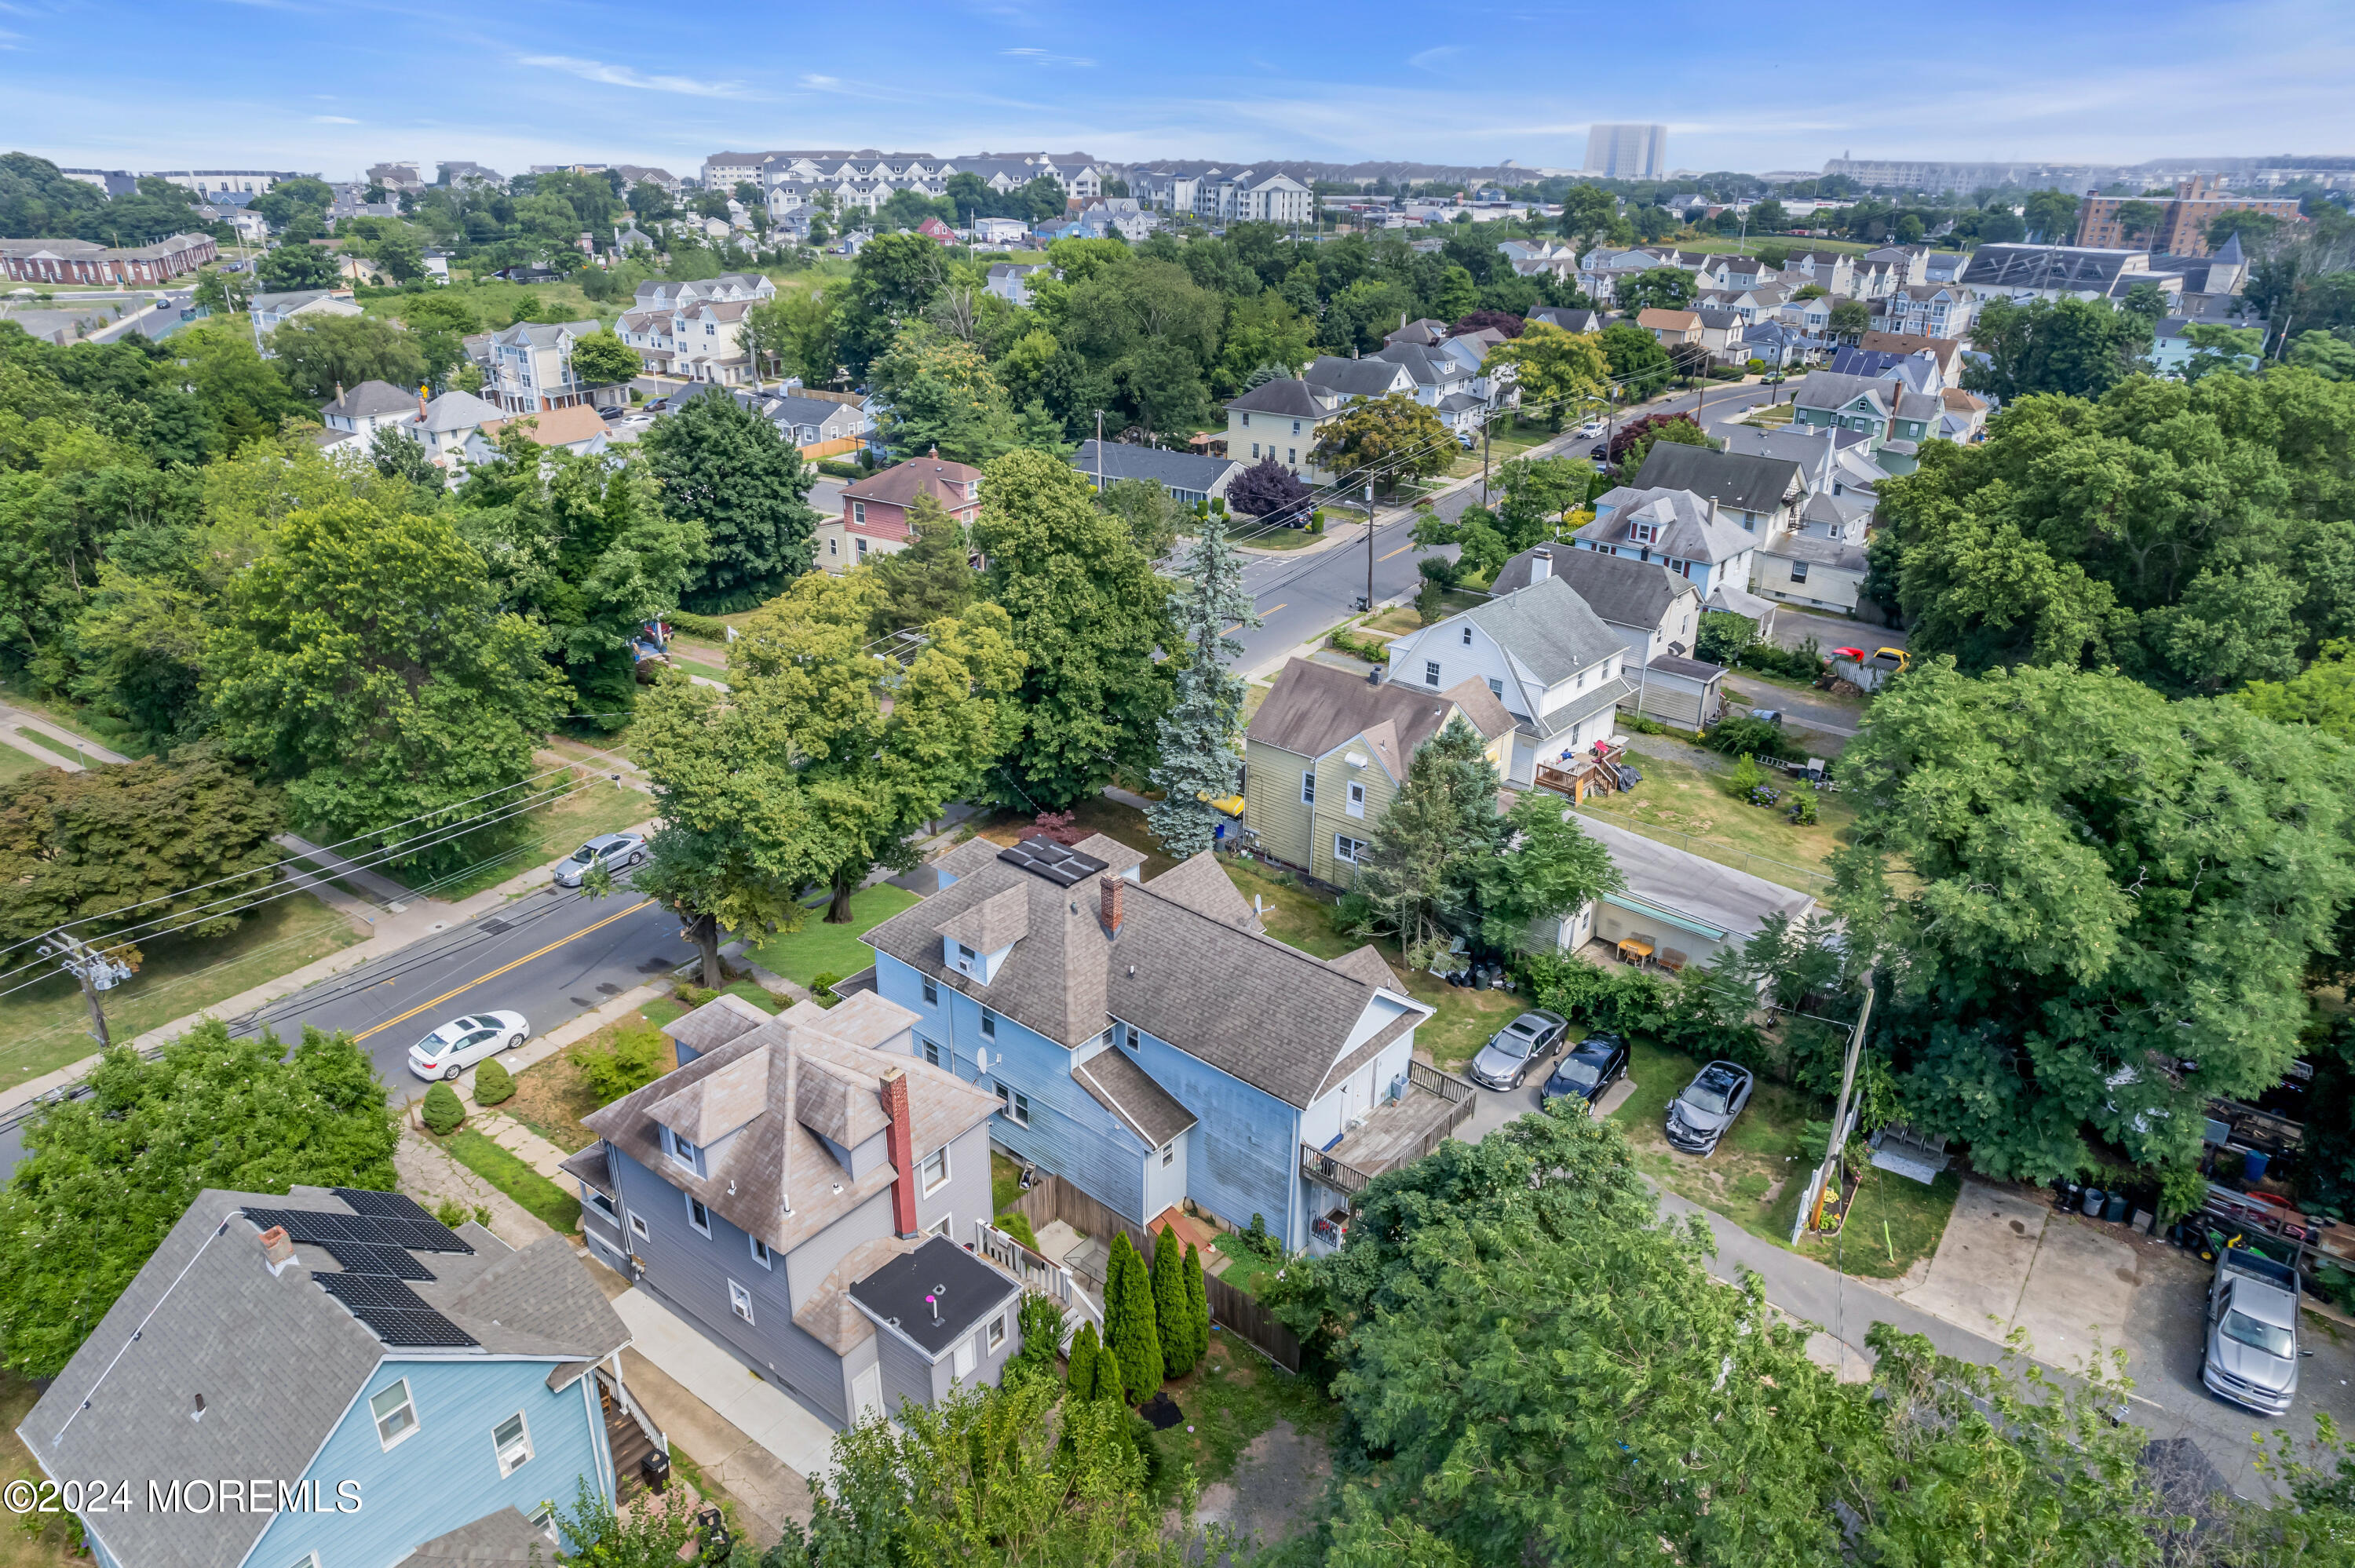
column 1467, row 635
column 997, row 1331
column 682, row 1151
column 1431, row 674
column 964, row 1358
column 761, row 1252
column 599, row 1201
column 543, row 1519
column 1347, row 850
column 522, row 1440
column 1799, row 571
column 1014, row 1105
column 932, row 992
column 1643, row 533
column 1169, row 1154
column 944, row 1227
column 988, row 1025
column 924, row 1177
column 695, row 1206
column 859, row 512
column 930, row 1049
column 408, row 1405
column 1356, row 799
column 638, row 1227
column 739, row 1301
column 1308, row 787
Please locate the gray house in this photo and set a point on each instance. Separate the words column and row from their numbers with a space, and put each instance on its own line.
column 799, row 1188
column 1189, row 477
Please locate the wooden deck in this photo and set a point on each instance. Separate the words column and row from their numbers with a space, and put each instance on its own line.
column 1398, row 1133
column 1585, row 774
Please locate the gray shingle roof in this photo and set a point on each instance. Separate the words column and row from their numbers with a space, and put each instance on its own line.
column 1312, row 708
column 1820, row 551
column 1285, row 399
column 1353, row 377
column 503, row 1535
column 1548, row 627
column 1173, row 470
column 1738, row 479
column 1605, row 696
column 1690, row 669
column 370, row 400
column 1686, row 530
column 1121, row 1087
column 1733, row 901
column 277, row 1359
column 1830, row 389
column 992, row 924
column 1622, row 591
column 1249, row 1005
column 455, row 410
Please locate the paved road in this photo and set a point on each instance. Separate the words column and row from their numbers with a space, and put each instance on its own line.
column 1301, row 596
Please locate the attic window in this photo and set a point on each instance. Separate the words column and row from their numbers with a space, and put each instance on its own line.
column 1467, row 636
column 1643, row 533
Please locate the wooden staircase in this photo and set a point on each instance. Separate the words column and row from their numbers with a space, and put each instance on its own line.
column 630, row 1441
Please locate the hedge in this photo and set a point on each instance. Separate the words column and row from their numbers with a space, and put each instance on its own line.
column 842, row 470
column 708, row 626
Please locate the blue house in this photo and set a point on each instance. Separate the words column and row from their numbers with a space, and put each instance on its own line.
column 331, row 1378
column 1146, row 1042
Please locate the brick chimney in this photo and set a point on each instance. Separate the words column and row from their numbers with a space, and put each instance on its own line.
column 1108, row 892
column 903, row 1151
column 1712, row 508
column 276, row 1250
column 1541, row 566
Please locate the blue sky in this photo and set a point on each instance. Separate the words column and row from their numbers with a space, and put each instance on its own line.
column 334, row 85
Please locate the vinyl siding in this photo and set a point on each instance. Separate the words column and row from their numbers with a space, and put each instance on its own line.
column 1272, row 804
column 447, row 1474
column 1241, row 1156
column 1334, row 777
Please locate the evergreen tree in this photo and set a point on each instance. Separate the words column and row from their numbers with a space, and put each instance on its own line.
column 1080, row 1378
column 1169, row 1306
column 1110, row 1388
column 1130, row 1330
column 1200, row 758
column 1198, row 1307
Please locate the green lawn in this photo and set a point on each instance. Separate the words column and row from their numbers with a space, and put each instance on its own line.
column 1246, row 1270
column 1684, row 792
column 819, row 949
column 1230, row 1399
column 1754, row 1176
column 112, row 733
column 15, row 764
column 549, row 832
column 556, row 1208
column 44, row 1027
column 1893, row 1221
column 1004, row 1180
column 1250, row 537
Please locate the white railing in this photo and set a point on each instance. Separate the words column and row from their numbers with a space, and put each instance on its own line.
column 1034, row 1273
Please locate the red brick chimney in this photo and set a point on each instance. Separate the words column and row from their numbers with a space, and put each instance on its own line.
column 1109, row 895
column 276, row 1250
column 903, row 1151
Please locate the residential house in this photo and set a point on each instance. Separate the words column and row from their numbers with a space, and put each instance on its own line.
column 576, row 428
column 1570, row 320
column 1722, row 332
column 1737, row 273
column 1964, row 415
column 371, row 407
column 1835, row 464
column 1281, row 419
column 1929, row 310
column 1188, row 478
column 271, row 311
column 365, row 1377
column 1672, row 900
column 728, row 288
column 1945, row 266
column 1759, row 494
column 1806, row 568
column 1812, row 316
column 804, row 1190
column 1686, row 533
column 818, row 427
column 1900, row 265
column 1541, row 258
column 1542, row 653
column 1013, row 280
column 1671, row 329
column 1750, row 304
column 1448, row 384
column 1327, row 751
column 1147, row 1042
column 1891, row 414
column 530, row 369
column 1832, row 270
column 1006, row 231
column 1944, row 353
column 1423, row 332
column 1653, row 613
column 1775, row 342
column 1264, row 194
column 448, row 422
column 875, row 510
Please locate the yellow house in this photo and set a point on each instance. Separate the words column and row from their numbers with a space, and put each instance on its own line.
column 1327, row 750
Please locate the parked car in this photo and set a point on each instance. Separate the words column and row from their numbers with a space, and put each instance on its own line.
column 1505, row 1061
column 1698, row 1115
column 2252, row 1355
column 462, row 1041
column 613, row 851
column 1588, row 1068
column 1589, row 430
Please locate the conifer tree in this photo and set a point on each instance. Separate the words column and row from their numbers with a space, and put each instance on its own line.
column 1130, row 1331
column 1198, row 1307
column 1200, row 758
column 1109, row 1388
column 1081, row 1380
column 1169, row 1313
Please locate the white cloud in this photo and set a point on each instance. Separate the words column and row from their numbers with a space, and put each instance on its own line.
column 1437, row 54
column 1044, row 56
column 332, row 120
column 623, row 76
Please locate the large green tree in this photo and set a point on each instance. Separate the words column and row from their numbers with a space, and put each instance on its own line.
column 2076, row 884
column 943, row 398
column 363, row 660
column 1388, row 441
column 2081, row 347
column 106, row 1176
column 1090, row 613
column 1200, row 758
column 727, row 468
column 318, row 354
column 1561, row 374
column 1132, row 1327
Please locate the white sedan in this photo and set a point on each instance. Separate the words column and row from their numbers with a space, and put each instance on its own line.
column 462, row 1041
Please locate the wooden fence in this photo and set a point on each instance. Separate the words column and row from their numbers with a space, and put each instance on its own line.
column 1236, row 1310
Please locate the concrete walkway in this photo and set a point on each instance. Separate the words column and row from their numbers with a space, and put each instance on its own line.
column 2008, row 1261
column 524, row 1144
column 428, row 1175
column 774, row 1420
column 72, row 752
column 388, row 895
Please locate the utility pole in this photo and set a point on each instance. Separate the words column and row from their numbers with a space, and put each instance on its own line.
column 1808, row 1209
column 1484, row 425
column 1369, row 546
column 97, row 972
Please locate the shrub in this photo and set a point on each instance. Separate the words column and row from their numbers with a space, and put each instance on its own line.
column 1746, row 778
column 1428, row 607
column 633, row 1061
column 1725, row 373
column 442, row 1112
column 691, row 996
column 1754, row 366
column 1017, row 1224
column 1801, row 664
column 1316, row 521
column 1259, row 1243
column 1341, row 642
column 1740, row 737
column 450, row 1213
column 1723, row 637
column 822, row 986
column 708, row 626
column 494, row 1085
column 1803, row 809
column 842, row 470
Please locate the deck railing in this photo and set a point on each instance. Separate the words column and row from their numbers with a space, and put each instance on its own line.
column 1320, row 1165
column 1040, row 1275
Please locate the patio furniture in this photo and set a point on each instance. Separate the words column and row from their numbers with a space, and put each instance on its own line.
column 1672, row 960
column 1634, row 950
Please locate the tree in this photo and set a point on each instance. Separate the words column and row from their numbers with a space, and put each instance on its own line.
column 1150, row 513
column 1387, row 440
column 1559, row 372
column 318, row 354
column 1480, row 540
column 1132, row 1332
column 1632, row 443
column 1505, row 322
column 298, row 266
column 1587, row 211
column 1172, row 1315
column 1269, row 492
column 993, row 1478
column 928, row 578
column 2051, row 214
column 1198, row 1309
column 113, row 850
column 2081, row 347
column 1442, row 815
column 942, row 395
column 893, row 282
column 2325, row 354
column 603, row 358
column 1541, row 868
column 1079, row 1373
column 1848, row 319
column 395, row 454
column 1538, row 493
column 106, row 1177
column 2322, row 694
column 2097, row 875
column 1200, row 758
column 1089, row 611
column 727, row 467
column 1636, row 359
column 1658, row 288
column 869, row 773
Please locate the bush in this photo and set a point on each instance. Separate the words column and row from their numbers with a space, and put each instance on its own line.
column 1316, row 521
column 1259, row 1243
column 1747, row 778
column 1017, row 1224
column 442, row 1112
column 1754, row 366
column 1726, row 373
column 710, row 627
column 631, row 1062
column 821, row 988
column 1801, row 664
column 1428, row 606
column 1341, row 642
column 691, row 996
column 1723, row 636
column 1749, row 737
column 1803, row 808
column 494, row 1085
column 841, row 470
column 450, row 1213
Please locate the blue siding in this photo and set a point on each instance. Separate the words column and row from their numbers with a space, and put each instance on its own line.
column 1070, row 1134
column 447, row 1474
column 1242, row 1154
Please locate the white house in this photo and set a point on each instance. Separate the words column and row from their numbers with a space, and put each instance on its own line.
column 1670, row 900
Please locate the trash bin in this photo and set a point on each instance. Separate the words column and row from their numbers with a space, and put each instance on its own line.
column 2092, row 1207
column 2115, row 1209
column 655, row 1468
column 2253, row 1165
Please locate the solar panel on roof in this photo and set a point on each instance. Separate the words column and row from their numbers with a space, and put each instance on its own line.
column 308, row 1226
column 426, row 1327
column 371, row 1290
column 391, row 1205
column 418, row 1236
column 377, row 1257
column 1058, row 863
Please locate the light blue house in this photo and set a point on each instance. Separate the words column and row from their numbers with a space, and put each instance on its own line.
column 333, row 1380
column 1147, row 1043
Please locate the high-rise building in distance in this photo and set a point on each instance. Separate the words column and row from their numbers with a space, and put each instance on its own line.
column 1627, row 151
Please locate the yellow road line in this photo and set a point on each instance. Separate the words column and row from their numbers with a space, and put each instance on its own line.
column 503, row 969
column 1271, row 609
column 1401, row 550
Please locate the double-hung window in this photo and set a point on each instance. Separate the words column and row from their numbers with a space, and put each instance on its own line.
column 511, row 1439
column 1431, row 674
column 932, row 992
column 1308, row 788
column 1347, row 850
column 739, row 1301
column 1357, row 799
column 1014, row 1104
column 988, row 1025
column 395, row 1413
column 698, row 1215
column 934, row 1172
column 930, row 1049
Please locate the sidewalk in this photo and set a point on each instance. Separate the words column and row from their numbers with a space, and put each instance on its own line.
column 778, row 1423
column 74, row 751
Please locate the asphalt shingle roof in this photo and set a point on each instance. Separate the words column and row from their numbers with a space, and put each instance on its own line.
column 370, row 400
column 1685, row 529
column 1621, row 590
column 1737, row 480
column 1175, row 471
column 1123, row 1087
column 1290, row 400
column 1547, row 627
column 1312, row 708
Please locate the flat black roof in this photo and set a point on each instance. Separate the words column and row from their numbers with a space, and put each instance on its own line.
column 964, row 1290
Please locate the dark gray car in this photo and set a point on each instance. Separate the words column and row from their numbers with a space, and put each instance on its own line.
column 1698, row 1115
column 1505, row 1060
